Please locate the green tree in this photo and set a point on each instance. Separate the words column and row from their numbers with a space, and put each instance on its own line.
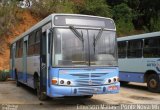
column 123, row 16
column 122, row 11
column 95, row 7
column 155, row 24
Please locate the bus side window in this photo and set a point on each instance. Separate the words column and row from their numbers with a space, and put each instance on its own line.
column 20, row 49
column 37, row 41
column 17, row 46
column 31, row 42
column 135, row 48
column 151, row 47
column 122, row 49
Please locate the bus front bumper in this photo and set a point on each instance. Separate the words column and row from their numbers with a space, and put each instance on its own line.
column 61, row 91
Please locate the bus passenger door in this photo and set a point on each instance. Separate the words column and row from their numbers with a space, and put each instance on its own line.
column 44, row 62
column 25, row 45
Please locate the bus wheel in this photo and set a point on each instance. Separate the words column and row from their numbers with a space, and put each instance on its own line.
column 153, row 83
column 41, row 95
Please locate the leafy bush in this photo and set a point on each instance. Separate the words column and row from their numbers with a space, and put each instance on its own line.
column 45, row 7
column 122, row 11
column 124, row 27
column 4, row 75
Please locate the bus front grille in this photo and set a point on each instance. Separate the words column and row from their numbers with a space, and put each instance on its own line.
column 89, row 79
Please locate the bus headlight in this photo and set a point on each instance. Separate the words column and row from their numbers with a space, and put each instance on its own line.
column 112, row 80
column 109, row 80
column 65, row 82
column 62, row 82
column 68, row 82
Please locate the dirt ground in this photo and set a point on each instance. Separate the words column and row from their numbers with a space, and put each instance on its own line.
column 24, row 98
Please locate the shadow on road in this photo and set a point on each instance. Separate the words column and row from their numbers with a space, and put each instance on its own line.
column 134, row 86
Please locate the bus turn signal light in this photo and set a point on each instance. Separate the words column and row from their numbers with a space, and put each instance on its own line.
column 54, row 81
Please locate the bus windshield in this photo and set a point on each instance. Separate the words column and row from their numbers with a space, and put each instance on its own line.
column 80, row 47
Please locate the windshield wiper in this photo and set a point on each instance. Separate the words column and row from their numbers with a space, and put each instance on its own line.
column 98, row 35
column 77, row 33
column 80, row 36
column 96, row 38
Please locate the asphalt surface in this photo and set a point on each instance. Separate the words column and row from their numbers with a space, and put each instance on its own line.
column 24, row 98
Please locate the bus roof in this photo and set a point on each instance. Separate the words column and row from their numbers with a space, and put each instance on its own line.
column 139, row 36
column 48, row 19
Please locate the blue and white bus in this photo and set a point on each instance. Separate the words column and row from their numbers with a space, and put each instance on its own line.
column 67, row 55
column 139, row 59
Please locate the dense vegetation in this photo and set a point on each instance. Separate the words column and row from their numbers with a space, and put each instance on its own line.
column 136, row 14
column 131, row 16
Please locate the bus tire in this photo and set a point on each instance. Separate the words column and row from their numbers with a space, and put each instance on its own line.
column 41, row 95
column 153, row 83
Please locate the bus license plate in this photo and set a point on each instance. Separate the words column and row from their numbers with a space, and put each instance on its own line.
column 110, row 88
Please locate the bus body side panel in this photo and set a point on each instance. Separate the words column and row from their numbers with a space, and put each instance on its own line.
column 19, row 68
column 32, row 67
column 134, row 69
column 84, row 81
column 131, row 76
column 11, row 69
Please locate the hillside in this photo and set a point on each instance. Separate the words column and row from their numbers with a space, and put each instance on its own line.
column 27, row 21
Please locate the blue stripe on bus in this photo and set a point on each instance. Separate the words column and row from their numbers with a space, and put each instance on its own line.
column 131, row 76
column 26, row 78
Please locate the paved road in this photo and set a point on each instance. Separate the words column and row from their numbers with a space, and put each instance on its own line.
column 24, row 98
